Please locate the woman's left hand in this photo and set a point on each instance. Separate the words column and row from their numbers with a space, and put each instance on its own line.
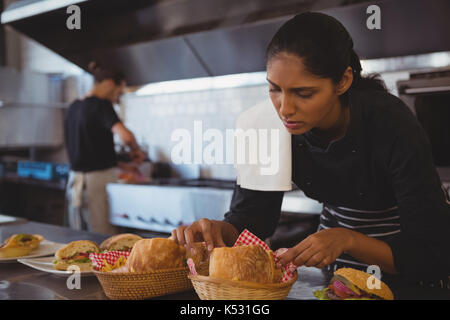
column 318, row 249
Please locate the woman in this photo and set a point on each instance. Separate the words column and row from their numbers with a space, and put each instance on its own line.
column 355, row 148
column 89, row 127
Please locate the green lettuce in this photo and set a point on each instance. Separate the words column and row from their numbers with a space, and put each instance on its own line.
column 322, row 294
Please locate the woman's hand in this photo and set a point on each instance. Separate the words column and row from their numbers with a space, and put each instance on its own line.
column 319, row 249
column 215, row 233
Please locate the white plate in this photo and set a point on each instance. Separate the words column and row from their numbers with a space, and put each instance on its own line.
column 6, row 219
column 46, row 264
column 46, row 248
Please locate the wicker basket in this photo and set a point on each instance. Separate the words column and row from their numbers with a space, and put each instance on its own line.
column 134, row 286
column 219, row 289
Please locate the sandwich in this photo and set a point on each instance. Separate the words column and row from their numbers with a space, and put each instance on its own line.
column 19, row 245
column 120, row 242
column 75, row 253
column 351, row 284
column 244, row 263
column 149, row 255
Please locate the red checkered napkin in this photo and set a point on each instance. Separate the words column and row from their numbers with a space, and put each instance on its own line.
column 248, row 238
column 191, row 263
column 111, row 257
column 191, row 266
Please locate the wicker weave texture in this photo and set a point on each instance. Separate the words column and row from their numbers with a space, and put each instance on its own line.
column 134, row 286
column 215, row 289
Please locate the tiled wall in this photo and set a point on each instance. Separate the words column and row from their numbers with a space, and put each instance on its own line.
column 153, row 118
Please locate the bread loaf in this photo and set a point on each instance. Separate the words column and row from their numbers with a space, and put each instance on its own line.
column 154, row 254
column 245, row 263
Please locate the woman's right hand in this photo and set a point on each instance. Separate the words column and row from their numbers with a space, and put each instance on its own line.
column 215, row 233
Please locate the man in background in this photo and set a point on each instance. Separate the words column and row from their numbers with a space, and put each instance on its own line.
column 90, row 124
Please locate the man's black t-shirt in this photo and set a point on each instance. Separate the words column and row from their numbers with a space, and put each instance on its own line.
column 88, row 135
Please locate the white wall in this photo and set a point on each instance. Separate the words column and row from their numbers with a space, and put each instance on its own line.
column 154, row 118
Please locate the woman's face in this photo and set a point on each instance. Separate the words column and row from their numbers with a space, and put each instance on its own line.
column 303, row 101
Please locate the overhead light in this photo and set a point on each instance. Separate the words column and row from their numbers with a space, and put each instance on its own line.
column 207, row 83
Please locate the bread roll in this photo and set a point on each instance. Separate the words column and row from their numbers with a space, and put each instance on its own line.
column 153, row 254
column 245, row 263
column 121, row 242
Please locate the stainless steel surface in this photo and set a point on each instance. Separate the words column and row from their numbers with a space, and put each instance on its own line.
column 23, row 127
column 20, row 282
column 163, row 208
column 31, row 112
column 408, row 27
column 25, row 9
column 428, row 90
column 407, row 63
column 428, row 81
column 176, row 202
column 168, row 40
column 309, row 280
column 30, row 88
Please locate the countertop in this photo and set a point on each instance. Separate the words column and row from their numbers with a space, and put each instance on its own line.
column 20, row 282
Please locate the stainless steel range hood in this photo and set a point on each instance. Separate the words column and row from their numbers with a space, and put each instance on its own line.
column 31, row 111
column 158, row 40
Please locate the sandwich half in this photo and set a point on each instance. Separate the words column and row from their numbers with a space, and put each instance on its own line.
column 75, row 253
column 120, row 242
column 19, row 245
column 351, row 284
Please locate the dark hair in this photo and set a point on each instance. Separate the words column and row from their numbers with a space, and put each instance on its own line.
column 325, row 47
column 101, row 72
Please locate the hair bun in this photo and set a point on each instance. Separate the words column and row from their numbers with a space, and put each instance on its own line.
column 355, row 63
column 100, row 72
column 93, row 66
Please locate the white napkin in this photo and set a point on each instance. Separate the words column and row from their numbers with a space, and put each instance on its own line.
column 272, row 150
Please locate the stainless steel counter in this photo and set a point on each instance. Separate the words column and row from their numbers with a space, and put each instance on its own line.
column 20, row 282
column 168, row 206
